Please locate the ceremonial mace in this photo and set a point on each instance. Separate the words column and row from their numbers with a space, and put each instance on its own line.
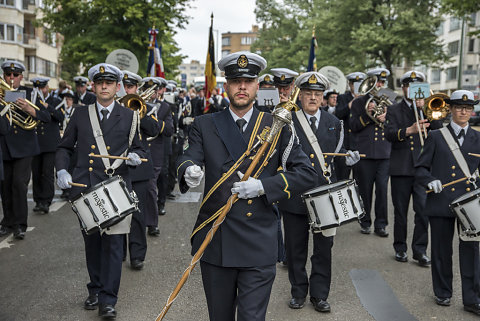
column 281, row 117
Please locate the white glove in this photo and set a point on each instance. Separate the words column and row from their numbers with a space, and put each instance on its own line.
column 352, row 158
column 133, row 159
column 187, row 120
column 63, row 178
column 193, row 175
column 211, row 101
column 436, row 185
column 250, row 188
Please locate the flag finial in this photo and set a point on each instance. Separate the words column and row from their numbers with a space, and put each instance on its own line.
column 313, row 31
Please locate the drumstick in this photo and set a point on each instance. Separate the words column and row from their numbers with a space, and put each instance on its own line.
column 115, row 157
column 341, row 154
column 77, row 184
column 450, row 183
column 473, row 154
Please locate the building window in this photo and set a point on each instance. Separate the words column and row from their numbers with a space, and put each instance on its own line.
column 193, row 67
column 451, row 73
column 435, row 76
column 453, row 48
column 10, row 33
column 2, row 31
column 7, row 3
column 225, row 52
column 246, row 41
column 471, row 45
column 226, row 41
column 455, row 23
column 439, row 31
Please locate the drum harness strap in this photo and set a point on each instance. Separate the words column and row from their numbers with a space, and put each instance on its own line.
column 97, row 133
column 312, row 139
column 455, row 148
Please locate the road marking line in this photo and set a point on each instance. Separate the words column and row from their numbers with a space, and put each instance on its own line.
column 6, row 243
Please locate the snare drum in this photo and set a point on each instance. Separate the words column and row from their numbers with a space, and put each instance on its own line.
column 467, row 210
column 333, row 205
column 104, row 205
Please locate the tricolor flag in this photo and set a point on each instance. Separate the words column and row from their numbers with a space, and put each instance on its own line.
column 155, row 62
column 312, row 61
column 210, row 78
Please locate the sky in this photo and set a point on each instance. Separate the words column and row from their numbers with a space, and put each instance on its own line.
column 228, row 15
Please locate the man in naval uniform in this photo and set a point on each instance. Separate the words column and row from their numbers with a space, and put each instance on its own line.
column 82, row 96
column 283, row 78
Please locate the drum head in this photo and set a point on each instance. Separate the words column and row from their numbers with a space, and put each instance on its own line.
column 465, row 198
column 320, row 190
column 97, row 186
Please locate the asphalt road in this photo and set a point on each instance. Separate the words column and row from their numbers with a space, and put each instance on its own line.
column 44, row 276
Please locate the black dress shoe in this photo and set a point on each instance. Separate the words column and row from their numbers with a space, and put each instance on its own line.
column 423, row 259
column 107, row 311
column 91, row 302
column 44, row 208
column 365, row 229
column 296, row 303
column 401, row 256
column 4, row 230
column 65, row 194
column 37, row 207
column 161, row 211
column 381, row 232
column 18, row 234
column 153, row 231
column 320, row 305
column 136, row 264
column 170, row 196
column 442, row 301
column 474, row 308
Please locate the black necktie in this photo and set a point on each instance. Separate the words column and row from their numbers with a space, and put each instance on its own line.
column 104, row 112
column 240, row 123
column 461, row 134
column 313, row 125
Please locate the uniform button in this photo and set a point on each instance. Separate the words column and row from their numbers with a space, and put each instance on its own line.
column 383, row 138
column 453, row 167
column 411, row 143
column 453, row 189
column 376, row 128
column 249, row 202
column 91, row 161
column 325, row 156
column 90, row 169
column 313, row 164
column 383, row 134
column 453, row 174
column 16, row 132
column 93, row 146
column 249, row 214
column 14, row 126
column 411, row 148
column 108, row 147
column 468, row 189
column 376, row 138
column 149, row 144
column 312, row 156
column 411, row 137
column 349, row 130
column 43, row 133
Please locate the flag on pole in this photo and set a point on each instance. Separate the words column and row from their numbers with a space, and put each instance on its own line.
column 312, row 60
column 155, row 62
column 210, row 78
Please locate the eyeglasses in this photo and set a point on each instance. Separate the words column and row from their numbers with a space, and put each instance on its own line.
column 15, row 74
column 468, row 108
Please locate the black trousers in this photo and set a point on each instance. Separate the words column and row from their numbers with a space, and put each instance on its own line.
column 43, row 178
column 442, row 237
column 162, row 183
column 404, row 187
column 137, row 239
column 369, row 172
column 151, row 205
column 177, row 150
column 296, row 244
column 244, row 290
column 14, row 192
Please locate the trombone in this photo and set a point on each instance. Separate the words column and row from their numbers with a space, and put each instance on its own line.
column 138, row 102
column 369, row 86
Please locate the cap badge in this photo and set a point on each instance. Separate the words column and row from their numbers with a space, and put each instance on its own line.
column 312, row 79
column 464, row 97
column 38, row 82
column 102, row 69
column 12, row 65
column 267, row 78
column 150, row 82
column 357, row 78
column 125, row 76
column 413, row 75
column 383, row 74
column 242, row 61
column 282, row 78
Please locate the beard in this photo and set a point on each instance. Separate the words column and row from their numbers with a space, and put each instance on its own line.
column 242, row 105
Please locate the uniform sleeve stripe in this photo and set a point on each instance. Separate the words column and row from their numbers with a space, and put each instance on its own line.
column 286, row 185
column 163, row 126
column 188, row 160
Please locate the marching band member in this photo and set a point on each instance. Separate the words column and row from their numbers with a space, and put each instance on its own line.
column 326, row 128
column 18, row 148
column 68, row 109
column 402, row 131
column 437, row 165
column 141, row 174
column 330, row 96
column 238, row 267
column 43, row 172
column 104, row 252
column 342, row 111
column 82, row 96
column 283, row 78
column 373, row 169
column 264, row 81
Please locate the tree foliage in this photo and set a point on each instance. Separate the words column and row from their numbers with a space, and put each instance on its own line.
column 92, row 29
column 352, row 35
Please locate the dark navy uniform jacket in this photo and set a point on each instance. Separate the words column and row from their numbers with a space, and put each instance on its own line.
column 436, row 161
column 405, row 150
column 343, row 113
column 328, row 135
column 79, row 137
column 88, row 99
column 20, row 143
column 49, row 133
column 165, row 121
column 149, row 127
column 369, row 138
column 248, row 236
column 4, row 130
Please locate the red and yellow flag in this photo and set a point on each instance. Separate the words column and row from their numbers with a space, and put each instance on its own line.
column 210, row 78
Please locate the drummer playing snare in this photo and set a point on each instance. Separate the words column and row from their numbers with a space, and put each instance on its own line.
column 104, row 252
column 438, row 165
column 327, row 129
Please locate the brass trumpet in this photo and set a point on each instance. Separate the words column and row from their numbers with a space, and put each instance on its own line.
column 138, row 102
column 19, row 117
column 435, row 107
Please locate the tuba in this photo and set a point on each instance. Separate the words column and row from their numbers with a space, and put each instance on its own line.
column 19, row 117
column 138, row 102
column 435, row 107
column 369, row 86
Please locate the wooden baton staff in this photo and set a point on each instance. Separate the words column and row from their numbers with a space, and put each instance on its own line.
column 114, row 157
column 77, row 184
column 341, row 154
column 281, row 117
column 449, row 183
